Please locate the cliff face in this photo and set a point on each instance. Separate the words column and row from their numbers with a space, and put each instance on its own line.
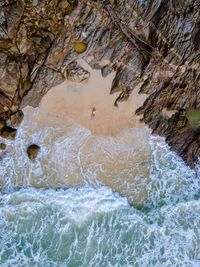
column 155, row 45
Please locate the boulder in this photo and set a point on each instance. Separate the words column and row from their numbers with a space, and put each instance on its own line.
column 8, row 133
column 2, row 146
column 32, row 151
column 16, row 118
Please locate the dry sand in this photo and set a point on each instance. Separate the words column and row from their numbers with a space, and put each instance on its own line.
column 76, row 100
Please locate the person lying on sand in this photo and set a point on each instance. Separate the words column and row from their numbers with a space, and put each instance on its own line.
column 93, row 113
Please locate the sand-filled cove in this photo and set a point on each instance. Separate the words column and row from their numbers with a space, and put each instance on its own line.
column 76, row 100
column 115, row 149
column 112, row 149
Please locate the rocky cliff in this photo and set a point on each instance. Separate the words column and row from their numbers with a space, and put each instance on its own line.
column 153, row 44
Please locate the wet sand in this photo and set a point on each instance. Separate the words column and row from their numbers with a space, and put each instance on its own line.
column 114, row 152
column 72, row 156
column 76, row 101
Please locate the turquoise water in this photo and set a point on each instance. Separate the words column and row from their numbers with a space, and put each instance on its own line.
column 90, row 224
column 94, row 227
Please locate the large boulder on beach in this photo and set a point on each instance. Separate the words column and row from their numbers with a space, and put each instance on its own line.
column 8, row 133
column 32, row 151
column 2, row 146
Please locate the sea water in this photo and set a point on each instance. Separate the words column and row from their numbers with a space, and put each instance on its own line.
column 123, row 200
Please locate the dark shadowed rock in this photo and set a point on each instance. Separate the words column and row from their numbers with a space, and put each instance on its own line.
column 16, row 118
column 107, row 69
column 8, row 133
column 32, row 151
column 2, row 124
column 2, row 146
column 76, row 73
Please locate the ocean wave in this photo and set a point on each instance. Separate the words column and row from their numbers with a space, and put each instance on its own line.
column 92, row 226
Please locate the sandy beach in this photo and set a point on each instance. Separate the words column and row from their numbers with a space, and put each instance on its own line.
column 114, row 152
column 76, row 101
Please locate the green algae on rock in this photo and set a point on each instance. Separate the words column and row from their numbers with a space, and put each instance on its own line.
column 194, row 118
column 80, row 47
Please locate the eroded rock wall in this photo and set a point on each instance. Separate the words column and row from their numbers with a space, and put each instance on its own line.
column 40, row 39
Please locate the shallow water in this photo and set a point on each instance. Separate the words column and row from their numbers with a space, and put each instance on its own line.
column 46, row 222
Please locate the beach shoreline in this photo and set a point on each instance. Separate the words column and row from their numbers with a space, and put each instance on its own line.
column 76, row 101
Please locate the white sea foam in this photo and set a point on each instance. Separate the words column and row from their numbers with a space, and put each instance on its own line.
column 91, row 226
column 133, row 163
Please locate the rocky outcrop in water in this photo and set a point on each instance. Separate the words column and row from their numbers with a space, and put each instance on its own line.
column 32, row 151
column 155, row 46
column 16, row 118
column 2, row 146
column 8, row 133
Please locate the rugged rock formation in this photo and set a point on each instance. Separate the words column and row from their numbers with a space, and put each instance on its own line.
column 8, row 133
column 16, row 118
column 76, row 73
column 156, row 45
